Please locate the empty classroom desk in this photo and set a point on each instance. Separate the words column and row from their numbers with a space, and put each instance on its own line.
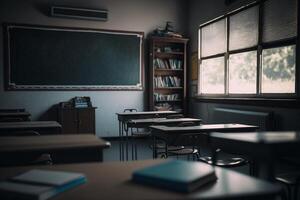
column 112, row 180
column 11, row 115
column 145, row 123
column 168, row 133
column 63, row 148
column 42, row 127
column 263, row 147
column 124, row 117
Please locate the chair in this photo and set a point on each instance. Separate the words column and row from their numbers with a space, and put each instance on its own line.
column 137, row 134
column 37, row 159
column 185, row 145
column 228, row 162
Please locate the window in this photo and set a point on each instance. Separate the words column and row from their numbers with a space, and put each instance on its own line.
column 278, row 69
column 212, row 76
column 242, row 73
column 250, row 52
column 214, row 38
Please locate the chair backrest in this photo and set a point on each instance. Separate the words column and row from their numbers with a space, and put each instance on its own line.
column 175, row 116
column 187, row 124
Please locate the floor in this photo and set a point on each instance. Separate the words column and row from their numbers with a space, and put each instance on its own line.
column 145, row 152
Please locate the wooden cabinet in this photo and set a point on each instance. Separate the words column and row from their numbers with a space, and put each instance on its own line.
column 77, row 120
column 167, row 81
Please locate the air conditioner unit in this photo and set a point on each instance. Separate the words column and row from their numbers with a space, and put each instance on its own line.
column 79, row 13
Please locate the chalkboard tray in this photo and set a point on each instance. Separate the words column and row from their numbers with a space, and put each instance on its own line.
column 57, row 58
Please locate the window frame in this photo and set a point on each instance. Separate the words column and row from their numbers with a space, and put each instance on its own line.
column 259, row 48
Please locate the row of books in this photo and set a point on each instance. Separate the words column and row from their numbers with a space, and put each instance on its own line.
column 167, row 63
column 166, row 97
column 167, row 81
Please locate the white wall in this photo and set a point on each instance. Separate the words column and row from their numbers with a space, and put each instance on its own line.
column 132, row 15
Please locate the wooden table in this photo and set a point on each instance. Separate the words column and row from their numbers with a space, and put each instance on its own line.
column 14, row 114
column 124, row 117
column 112, row 180
column 264, row 147
column 43, row 127
column 144, row 123
column 63, row 148
column 201, row 132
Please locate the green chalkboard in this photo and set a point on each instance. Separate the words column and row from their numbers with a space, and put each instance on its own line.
column 61, row 58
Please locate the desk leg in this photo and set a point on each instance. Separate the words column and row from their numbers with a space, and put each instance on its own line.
column 126, row 140
column 154, row 147
column 214, row 156
column 120, row 136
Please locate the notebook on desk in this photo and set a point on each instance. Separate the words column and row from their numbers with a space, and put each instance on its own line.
column 39, row 184
column 181, row 176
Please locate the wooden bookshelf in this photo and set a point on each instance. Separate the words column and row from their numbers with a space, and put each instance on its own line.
column 167, row 81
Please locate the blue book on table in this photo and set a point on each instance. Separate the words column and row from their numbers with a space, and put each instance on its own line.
column 40, row 184
column 181, row 176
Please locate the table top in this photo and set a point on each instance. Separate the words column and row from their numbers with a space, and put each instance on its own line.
column 205, row 128
column 112, row 180
column 271, row 137
column 259, row 144
column 29, row 124
column 50, row 143
column 146, row 113
column 152, row 121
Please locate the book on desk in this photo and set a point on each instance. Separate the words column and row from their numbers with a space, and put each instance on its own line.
column 39, row 184
column 180, row 176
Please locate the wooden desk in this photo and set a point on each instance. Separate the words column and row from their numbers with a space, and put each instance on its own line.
column 112, row 180
column 124, row 117
column 22, row 115
column 43, row 127
column 264, row 147
column 168, row 133
column 63, row 148
column 144, row 123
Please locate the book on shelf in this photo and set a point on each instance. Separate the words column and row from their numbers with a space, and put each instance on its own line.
column 177, row 175
column 174, row 64
column 39, row 184
column 167, row 81
column 165, row 97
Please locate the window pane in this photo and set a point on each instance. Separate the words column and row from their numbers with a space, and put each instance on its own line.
column 243, row 29
column 242, row 73
column 279, row 20
column 212, row 76
column 278, row 70
column 213, row 38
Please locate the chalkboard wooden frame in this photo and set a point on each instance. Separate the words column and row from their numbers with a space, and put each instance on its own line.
column 11, row 85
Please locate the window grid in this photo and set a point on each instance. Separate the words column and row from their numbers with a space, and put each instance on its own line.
column 259, row 48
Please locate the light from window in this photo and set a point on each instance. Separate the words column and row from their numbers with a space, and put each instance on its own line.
column 243, row 29
column 242, row 73
column 213, row 38
column 212, row 75
column 278, row 70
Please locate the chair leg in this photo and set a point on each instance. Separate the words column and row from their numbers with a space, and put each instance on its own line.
column 135, row 151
